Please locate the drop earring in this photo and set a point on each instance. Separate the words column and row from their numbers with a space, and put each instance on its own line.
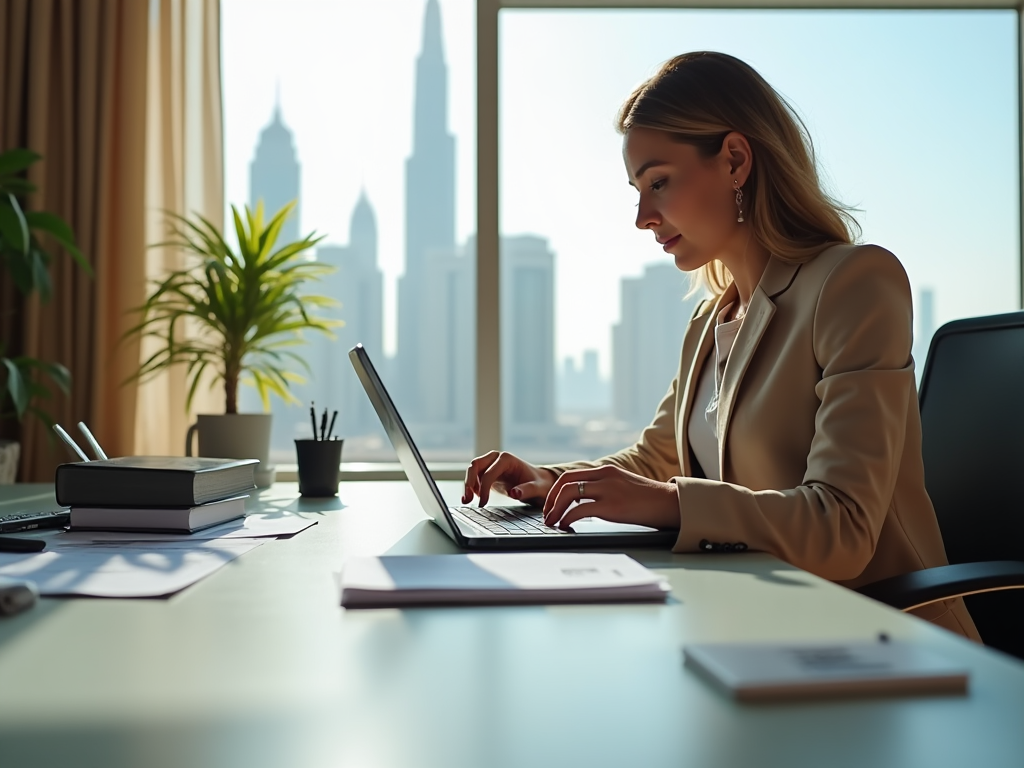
column 739, row 202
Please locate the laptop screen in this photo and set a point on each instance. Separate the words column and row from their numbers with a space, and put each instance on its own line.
column 409, row 456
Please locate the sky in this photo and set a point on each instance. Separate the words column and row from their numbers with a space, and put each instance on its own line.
column 913, row 115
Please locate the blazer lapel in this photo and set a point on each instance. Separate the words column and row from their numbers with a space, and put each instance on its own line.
column 698, row 342
column 776, row 278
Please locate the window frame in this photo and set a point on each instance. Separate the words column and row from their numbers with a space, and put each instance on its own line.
column 488, row 432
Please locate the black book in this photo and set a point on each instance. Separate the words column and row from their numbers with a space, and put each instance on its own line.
column 153, row 481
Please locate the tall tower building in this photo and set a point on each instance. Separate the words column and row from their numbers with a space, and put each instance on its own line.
column 924, row 312
column 358, row 285
column 274, row 174
column 274, row 180
column 430, row 215
column 528, row 338
column 647, row 340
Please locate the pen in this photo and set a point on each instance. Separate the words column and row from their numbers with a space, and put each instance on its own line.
column 312, row 417
column 71, row 443
column 331, row 428
column 323, row 424
column 91, row 440
column 7, row 544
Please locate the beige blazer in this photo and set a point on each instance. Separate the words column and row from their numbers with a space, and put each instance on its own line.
column 820, row 429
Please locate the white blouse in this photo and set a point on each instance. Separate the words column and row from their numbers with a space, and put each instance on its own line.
column 703, row 428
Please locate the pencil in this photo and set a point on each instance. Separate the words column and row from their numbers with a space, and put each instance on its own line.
column 331, row 428
column 312, row 417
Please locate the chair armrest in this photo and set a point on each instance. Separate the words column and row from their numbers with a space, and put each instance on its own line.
column 912, row 590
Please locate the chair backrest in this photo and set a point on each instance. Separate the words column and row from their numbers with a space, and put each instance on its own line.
column 972, row 415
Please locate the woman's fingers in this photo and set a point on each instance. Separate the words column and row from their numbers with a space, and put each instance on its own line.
column 495, row 472
column 476, row 467
column 572, row 478
column 531, row 491
column 603, row 509
column 563, row 494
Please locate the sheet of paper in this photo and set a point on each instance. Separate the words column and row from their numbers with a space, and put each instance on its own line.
column 122, row 569
column 254, row 526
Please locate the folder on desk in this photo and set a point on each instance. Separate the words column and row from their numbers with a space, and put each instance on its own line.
column 779, row 671
column 496, row 579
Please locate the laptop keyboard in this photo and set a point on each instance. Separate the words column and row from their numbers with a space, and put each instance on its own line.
column 509, row 521
column 11, row 522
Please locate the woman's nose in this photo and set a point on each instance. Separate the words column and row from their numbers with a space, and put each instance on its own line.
column 646, row 217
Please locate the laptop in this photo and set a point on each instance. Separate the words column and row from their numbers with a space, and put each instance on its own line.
column 518, row 527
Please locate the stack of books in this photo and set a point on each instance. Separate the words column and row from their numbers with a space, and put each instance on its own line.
column 154, row 493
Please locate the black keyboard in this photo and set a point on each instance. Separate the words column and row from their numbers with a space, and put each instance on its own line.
column 27, row 521
column 509, row 521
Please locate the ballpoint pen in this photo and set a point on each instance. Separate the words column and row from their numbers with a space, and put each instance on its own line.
column 312, row 417
column 330, row 429
column 91, row 440
column 71, row 443
column 323, row 424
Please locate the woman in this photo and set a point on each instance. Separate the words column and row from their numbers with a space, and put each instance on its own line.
column 792, row 426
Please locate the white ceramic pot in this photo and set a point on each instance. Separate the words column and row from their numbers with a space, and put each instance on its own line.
column 10, row 452
column 235, row 436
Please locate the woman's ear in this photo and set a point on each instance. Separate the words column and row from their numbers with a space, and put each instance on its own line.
column 737, row 157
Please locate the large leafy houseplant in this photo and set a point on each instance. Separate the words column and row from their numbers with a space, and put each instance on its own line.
column 245, row 306
column 24, row 258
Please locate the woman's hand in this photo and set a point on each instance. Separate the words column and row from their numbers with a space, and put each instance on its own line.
column 617, row 495
column 507, row 474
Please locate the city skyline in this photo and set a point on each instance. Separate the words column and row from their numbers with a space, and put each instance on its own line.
column 951, row 219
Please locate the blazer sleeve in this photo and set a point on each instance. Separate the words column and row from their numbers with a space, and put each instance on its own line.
column 830, row 523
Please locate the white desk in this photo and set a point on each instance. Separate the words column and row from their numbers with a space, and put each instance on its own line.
column 258, row 666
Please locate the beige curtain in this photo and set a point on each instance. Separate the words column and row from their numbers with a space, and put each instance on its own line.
column 122, row 100
column 74, row 90
column 184, row 159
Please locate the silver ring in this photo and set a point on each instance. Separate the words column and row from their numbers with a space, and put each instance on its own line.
column 580, row 487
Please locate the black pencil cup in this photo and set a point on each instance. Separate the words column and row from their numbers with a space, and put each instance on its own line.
column 319, row 466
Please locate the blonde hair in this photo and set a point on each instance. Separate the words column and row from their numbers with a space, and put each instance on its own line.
column 702, row 96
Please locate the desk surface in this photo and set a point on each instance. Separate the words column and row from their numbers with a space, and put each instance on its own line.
column 258, row 666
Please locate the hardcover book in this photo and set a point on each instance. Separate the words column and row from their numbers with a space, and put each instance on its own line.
column 152, row 481
column 157, row 519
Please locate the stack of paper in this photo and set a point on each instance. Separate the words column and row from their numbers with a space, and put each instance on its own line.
column 497, row 578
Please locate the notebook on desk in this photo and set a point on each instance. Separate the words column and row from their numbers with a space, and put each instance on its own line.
column 516, row 527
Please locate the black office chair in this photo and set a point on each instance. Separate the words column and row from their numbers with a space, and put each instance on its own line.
column 972, row 415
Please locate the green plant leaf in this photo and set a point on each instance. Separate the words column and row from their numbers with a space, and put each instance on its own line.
column 16, row 185
column 16, row 387
column 37, row 260
column 13, row 226
column 61, row 232
column 15, row 160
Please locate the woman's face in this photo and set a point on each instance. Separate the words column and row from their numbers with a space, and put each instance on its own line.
column 687, row 201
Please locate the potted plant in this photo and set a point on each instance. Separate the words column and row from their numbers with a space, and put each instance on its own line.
column 246, row 311
column 24, row 258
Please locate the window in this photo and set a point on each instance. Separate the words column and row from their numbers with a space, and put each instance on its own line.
column 366, row 114
column 918, row 130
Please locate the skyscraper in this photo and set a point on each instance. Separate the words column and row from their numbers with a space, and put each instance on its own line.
column 430, row 218
column 646, row 341
column 274, row 180
column 358, row 284
column 924, row 312
column 528, row 338
column 582, row 390
column 274, row 174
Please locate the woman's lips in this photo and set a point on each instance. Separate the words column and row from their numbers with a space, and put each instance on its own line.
column 669, row 243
